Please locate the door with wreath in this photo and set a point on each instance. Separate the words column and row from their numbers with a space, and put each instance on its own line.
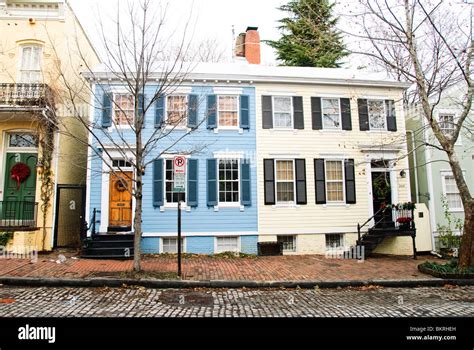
column 20, row 188
column 120, row 201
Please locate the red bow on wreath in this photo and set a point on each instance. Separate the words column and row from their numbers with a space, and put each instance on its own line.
column 20, row 172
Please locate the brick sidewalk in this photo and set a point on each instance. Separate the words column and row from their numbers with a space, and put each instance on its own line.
column 280, row 268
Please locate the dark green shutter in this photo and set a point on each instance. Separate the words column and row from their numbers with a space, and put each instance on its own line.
column 192, row 183
column 320, row 181
column 391, row 115
column 346, row 114
column 245, row 184
column 269, row 181
column 106, row 111
column 298, row 113
column 244, row 112
column 349, row 170
column 158, row 182
column 211, row 111
column 192, row 111
column 159, row 111
column 363, row 115
column 267, row 112
column 300, row 166
column 316, row 113
column 211, row 182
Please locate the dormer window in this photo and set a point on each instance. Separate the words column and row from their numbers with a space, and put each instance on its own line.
column 30, row 68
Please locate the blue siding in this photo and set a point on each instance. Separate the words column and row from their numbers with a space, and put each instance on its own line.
column 248, row 244
column 150, row 245
column 200, row 245
column 202, row 219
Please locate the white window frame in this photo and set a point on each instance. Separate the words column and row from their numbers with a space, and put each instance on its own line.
column 445, row 174
column 237, row 127
column 172, row 204
column 342, row 241
column 229, row 204
column 340, row 112
column 183, row 245
column 115, row 106
column 384, row 114
column 455, row 114
column 291, row 127
column 326, row 181
column 276, row 182
column 20, row 63
column 216, row 245
column 179, row 126
column 294, row 244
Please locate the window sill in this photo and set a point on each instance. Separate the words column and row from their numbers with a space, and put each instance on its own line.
column 332, row 131
column 456, row 210
column 239, row 130
column 174, row 207
column 335, row 205
column 286, row 206
column 226, row 205
column 294, row 131
column 177, row 128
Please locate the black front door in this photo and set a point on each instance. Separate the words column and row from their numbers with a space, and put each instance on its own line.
column 382, row 196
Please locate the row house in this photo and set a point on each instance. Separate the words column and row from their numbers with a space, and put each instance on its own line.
column 293, row 155
column 33, row 151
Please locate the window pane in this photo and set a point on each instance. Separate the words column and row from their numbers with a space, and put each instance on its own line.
column 334, row 170
column 282, row 120
column 376, row 114
column 289, row 243
column 334, row 241
column 177, row 107
column 331, row 117
column 23, row 140
column 171, row 195
column 124, row 109
column 334, row 190
column 452, row 193
column 282, row 104
column 227, row 244
column 228, row 181
column 446, row 123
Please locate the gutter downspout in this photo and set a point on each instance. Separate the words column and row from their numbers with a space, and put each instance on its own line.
column 415, row 164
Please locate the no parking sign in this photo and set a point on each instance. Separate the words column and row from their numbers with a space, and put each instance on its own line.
column 179, row 174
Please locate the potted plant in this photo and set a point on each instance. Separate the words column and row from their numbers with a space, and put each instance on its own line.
column 404, row 222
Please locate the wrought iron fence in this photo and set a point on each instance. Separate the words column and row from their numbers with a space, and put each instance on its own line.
column 18, row 214
column 25, row 95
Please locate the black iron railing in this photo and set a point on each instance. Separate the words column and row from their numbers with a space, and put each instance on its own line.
column 16, row 215
column 25, row 95
column 403, row 219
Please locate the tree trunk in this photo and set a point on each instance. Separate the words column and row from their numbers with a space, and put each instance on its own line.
column 137, row 224
column 466, row 256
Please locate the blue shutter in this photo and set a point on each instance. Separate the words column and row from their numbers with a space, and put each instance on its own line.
column 192, row 111
column 192, row 183
column 158, row 182
column 106, row 111
column 141, row 104
column 159, row 111
column 211, row 111
column 245, row 184
column 211, row 182
column 244, row 112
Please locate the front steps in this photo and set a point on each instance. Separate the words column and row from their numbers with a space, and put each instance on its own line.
column 108, row 246
column 375, row 236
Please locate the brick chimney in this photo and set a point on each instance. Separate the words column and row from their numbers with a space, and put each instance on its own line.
column 248, row 45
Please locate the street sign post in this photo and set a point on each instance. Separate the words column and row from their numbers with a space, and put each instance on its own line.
column 179, row 181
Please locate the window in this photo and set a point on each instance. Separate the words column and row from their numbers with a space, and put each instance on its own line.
column 30, row 70
column 121, row 163
column 285, row 181
column 170, row 245
column 171, row 196
column 124, row 109
column 334, row 181
column 289, row 243
column 282, row 112
column 177, row 110
column 228, row 109
column 227, row 244
column 446, row 123
column 23, row 140
column 334, row 241
column 228, row 181
column 451, row 193
column 331, row 113
column 377, row 116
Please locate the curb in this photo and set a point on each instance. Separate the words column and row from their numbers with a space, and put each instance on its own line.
column 177, row 284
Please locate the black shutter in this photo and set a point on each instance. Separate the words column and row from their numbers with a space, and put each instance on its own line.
column 346, row 114
column 349, row 170
column 316, row 113
column 363, row 115
column 300, row 165
column 298, row 114
column 267, row 112
column 391, row 115
column 320, row 181
column 269, row 182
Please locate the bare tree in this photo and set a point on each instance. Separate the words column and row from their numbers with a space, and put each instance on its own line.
column 137, row 47
column 428, row 44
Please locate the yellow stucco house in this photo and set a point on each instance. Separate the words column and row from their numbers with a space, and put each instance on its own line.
column 42, row 167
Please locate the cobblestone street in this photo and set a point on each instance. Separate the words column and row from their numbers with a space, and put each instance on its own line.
column 142, row 302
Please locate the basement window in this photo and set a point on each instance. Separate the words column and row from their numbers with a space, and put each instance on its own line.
column 334, row 241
